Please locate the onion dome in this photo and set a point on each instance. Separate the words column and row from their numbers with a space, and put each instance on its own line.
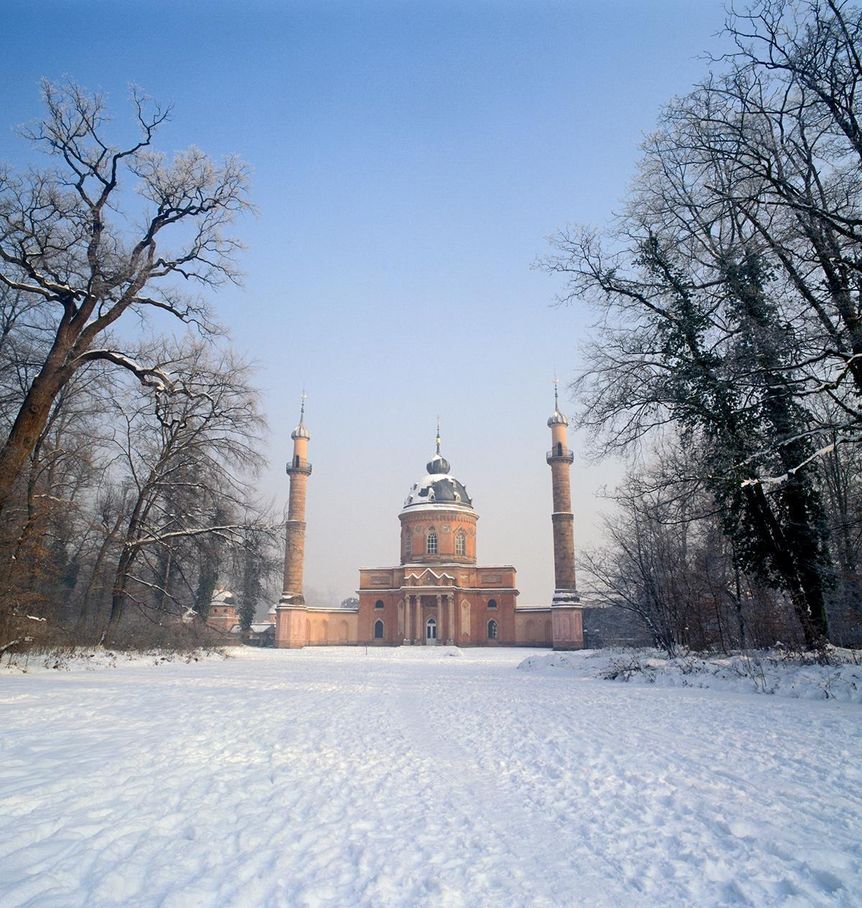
column 437, row 465
column 300, row 431
column 438, row 488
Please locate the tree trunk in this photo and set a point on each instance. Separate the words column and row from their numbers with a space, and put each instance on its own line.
column 121, row 579
column 31, row 421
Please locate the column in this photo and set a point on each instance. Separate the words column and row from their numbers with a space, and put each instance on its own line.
column 451, row 639
column 418, row 622
column 439, row 616
column 407, row 603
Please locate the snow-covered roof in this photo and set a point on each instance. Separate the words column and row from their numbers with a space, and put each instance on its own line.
column 223, row 597
column 439, row 490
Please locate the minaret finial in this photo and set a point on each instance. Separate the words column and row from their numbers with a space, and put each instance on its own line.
column 556, row 393
column 300, row 431
column 438, row 434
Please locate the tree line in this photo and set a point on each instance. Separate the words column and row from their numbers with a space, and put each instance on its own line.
column 130, row 428
column 728, row 350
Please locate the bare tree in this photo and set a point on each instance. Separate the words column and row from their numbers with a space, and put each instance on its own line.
column 66, row 249
column 667, row 560
column 188, row 457
column 45, row 542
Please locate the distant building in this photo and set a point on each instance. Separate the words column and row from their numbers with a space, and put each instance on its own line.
column 222, row 614
column 438, row 593
column 262, row 634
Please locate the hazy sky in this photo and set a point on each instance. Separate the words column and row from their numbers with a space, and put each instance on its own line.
column 409, row 160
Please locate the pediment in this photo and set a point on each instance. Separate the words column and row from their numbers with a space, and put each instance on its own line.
column 429, row 577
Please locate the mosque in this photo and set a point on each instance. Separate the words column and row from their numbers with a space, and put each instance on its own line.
column 437, row 593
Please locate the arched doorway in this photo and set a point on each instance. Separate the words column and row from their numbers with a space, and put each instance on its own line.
column 431, row 631
column 378, row 630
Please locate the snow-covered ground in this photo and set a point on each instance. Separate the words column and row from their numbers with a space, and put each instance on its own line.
column 775, row 672
column 418, row 777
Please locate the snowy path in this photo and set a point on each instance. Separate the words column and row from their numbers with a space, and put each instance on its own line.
column 413, row 777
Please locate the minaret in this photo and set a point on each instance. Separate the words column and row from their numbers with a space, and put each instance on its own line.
column 567, row 619
column 299, row 469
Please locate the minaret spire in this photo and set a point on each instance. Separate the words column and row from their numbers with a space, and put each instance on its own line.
column 438, row 434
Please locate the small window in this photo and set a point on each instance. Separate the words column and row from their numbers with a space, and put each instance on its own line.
column 559, row 449
column 431, row 543
column 460, row 543
column 408, row 543
column 492, row 603
column 378, row 630
column 378, row 604
column 492, row 630
column 296, row 460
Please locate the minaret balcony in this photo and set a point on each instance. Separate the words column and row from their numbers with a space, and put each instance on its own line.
column 560, row 454
column 303, row 467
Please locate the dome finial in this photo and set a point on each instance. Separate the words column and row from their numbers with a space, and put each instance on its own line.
column 557, row 418
column 300, row 431
column 438, row 463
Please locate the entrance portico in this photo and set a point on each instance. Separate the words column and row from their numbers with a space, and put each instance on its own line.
column 418, row 610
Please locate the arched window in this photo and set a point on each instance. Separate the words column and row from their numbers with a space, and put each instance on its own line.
column 559, row 449
column 492, row 603
column 431, row 543
column 378, row 604
column 492, row 630
column 460, row 543
column 408, row 543
column 378, row 630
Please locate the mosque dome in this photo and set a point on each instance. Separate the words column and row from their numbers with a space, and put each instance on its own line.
column 438, row 488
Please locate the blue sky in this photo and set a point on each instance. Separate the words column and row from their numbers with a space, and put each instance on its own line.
column 409, row 160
